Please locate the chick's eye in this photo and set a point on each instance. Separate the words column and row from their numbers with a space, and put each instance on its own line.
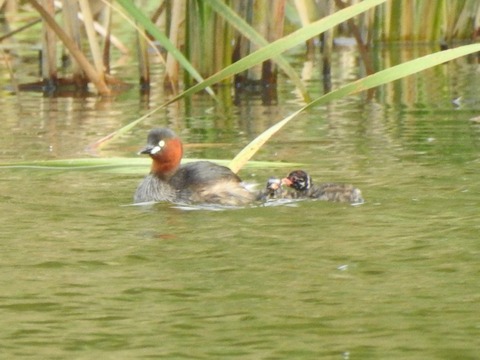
column 161, row 143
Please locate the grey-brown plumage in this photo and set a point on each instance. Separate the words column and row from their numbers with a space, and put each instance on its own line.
column 196, row 182
column 299, row 185
column 302, row 183
column 153, row 189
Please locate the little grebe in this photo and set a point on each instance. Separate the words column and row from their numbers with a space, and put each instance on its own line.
column 273, row 191
column 195, row 182
column 304, row 188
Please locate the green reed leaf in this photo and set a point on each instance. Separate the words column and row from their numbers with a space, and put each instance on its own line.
column 125, row 165
column 288, row 42
column 147, row 24
column 250, row 33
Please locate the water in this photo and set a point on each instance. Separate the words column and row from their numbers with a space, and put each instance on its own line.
column 85, row 275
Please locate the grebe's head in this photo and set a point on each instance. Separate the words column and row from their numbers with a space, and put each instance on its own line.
column 298, row 179
column 166, row 150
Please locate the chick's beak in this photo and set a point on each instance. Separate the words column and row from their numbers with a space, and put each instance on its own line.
column 287, row 181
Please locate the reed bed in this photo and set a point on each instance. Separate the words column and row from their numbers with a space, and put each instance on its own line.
column 218, row 41
column 203, row 37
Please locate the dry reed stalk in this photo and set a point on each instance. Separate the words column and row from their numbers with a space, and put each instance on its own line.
column 466, row 24
column 362, row 46
column 275, row 24
column 92, row 38
column 308, row 11
column 143, row 61
column 171, row 66
column 106, row 16
column 407, row 14
column 429, row 29
column 72, row 28
column 327, row 47
column 267, row 18
column 90, row 71
column 259, row 14
column 49, row 51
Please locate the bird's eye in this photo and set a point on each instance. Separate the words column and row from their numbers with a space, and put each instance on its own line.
column 161, row 143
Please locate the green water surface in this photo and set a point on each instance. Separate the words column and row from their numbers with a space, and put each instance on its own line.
column 84, row 275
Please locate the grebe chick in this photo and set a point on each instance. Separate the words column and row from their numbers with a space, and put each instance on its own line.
column 302, row 183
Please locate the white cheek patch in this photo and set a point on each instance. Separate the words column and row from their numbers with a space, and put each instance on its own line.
column 155, row 150
column 158, row 148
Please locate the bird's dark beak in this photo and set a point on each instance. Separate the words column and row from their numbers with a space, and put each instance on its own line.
column 146, row 150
